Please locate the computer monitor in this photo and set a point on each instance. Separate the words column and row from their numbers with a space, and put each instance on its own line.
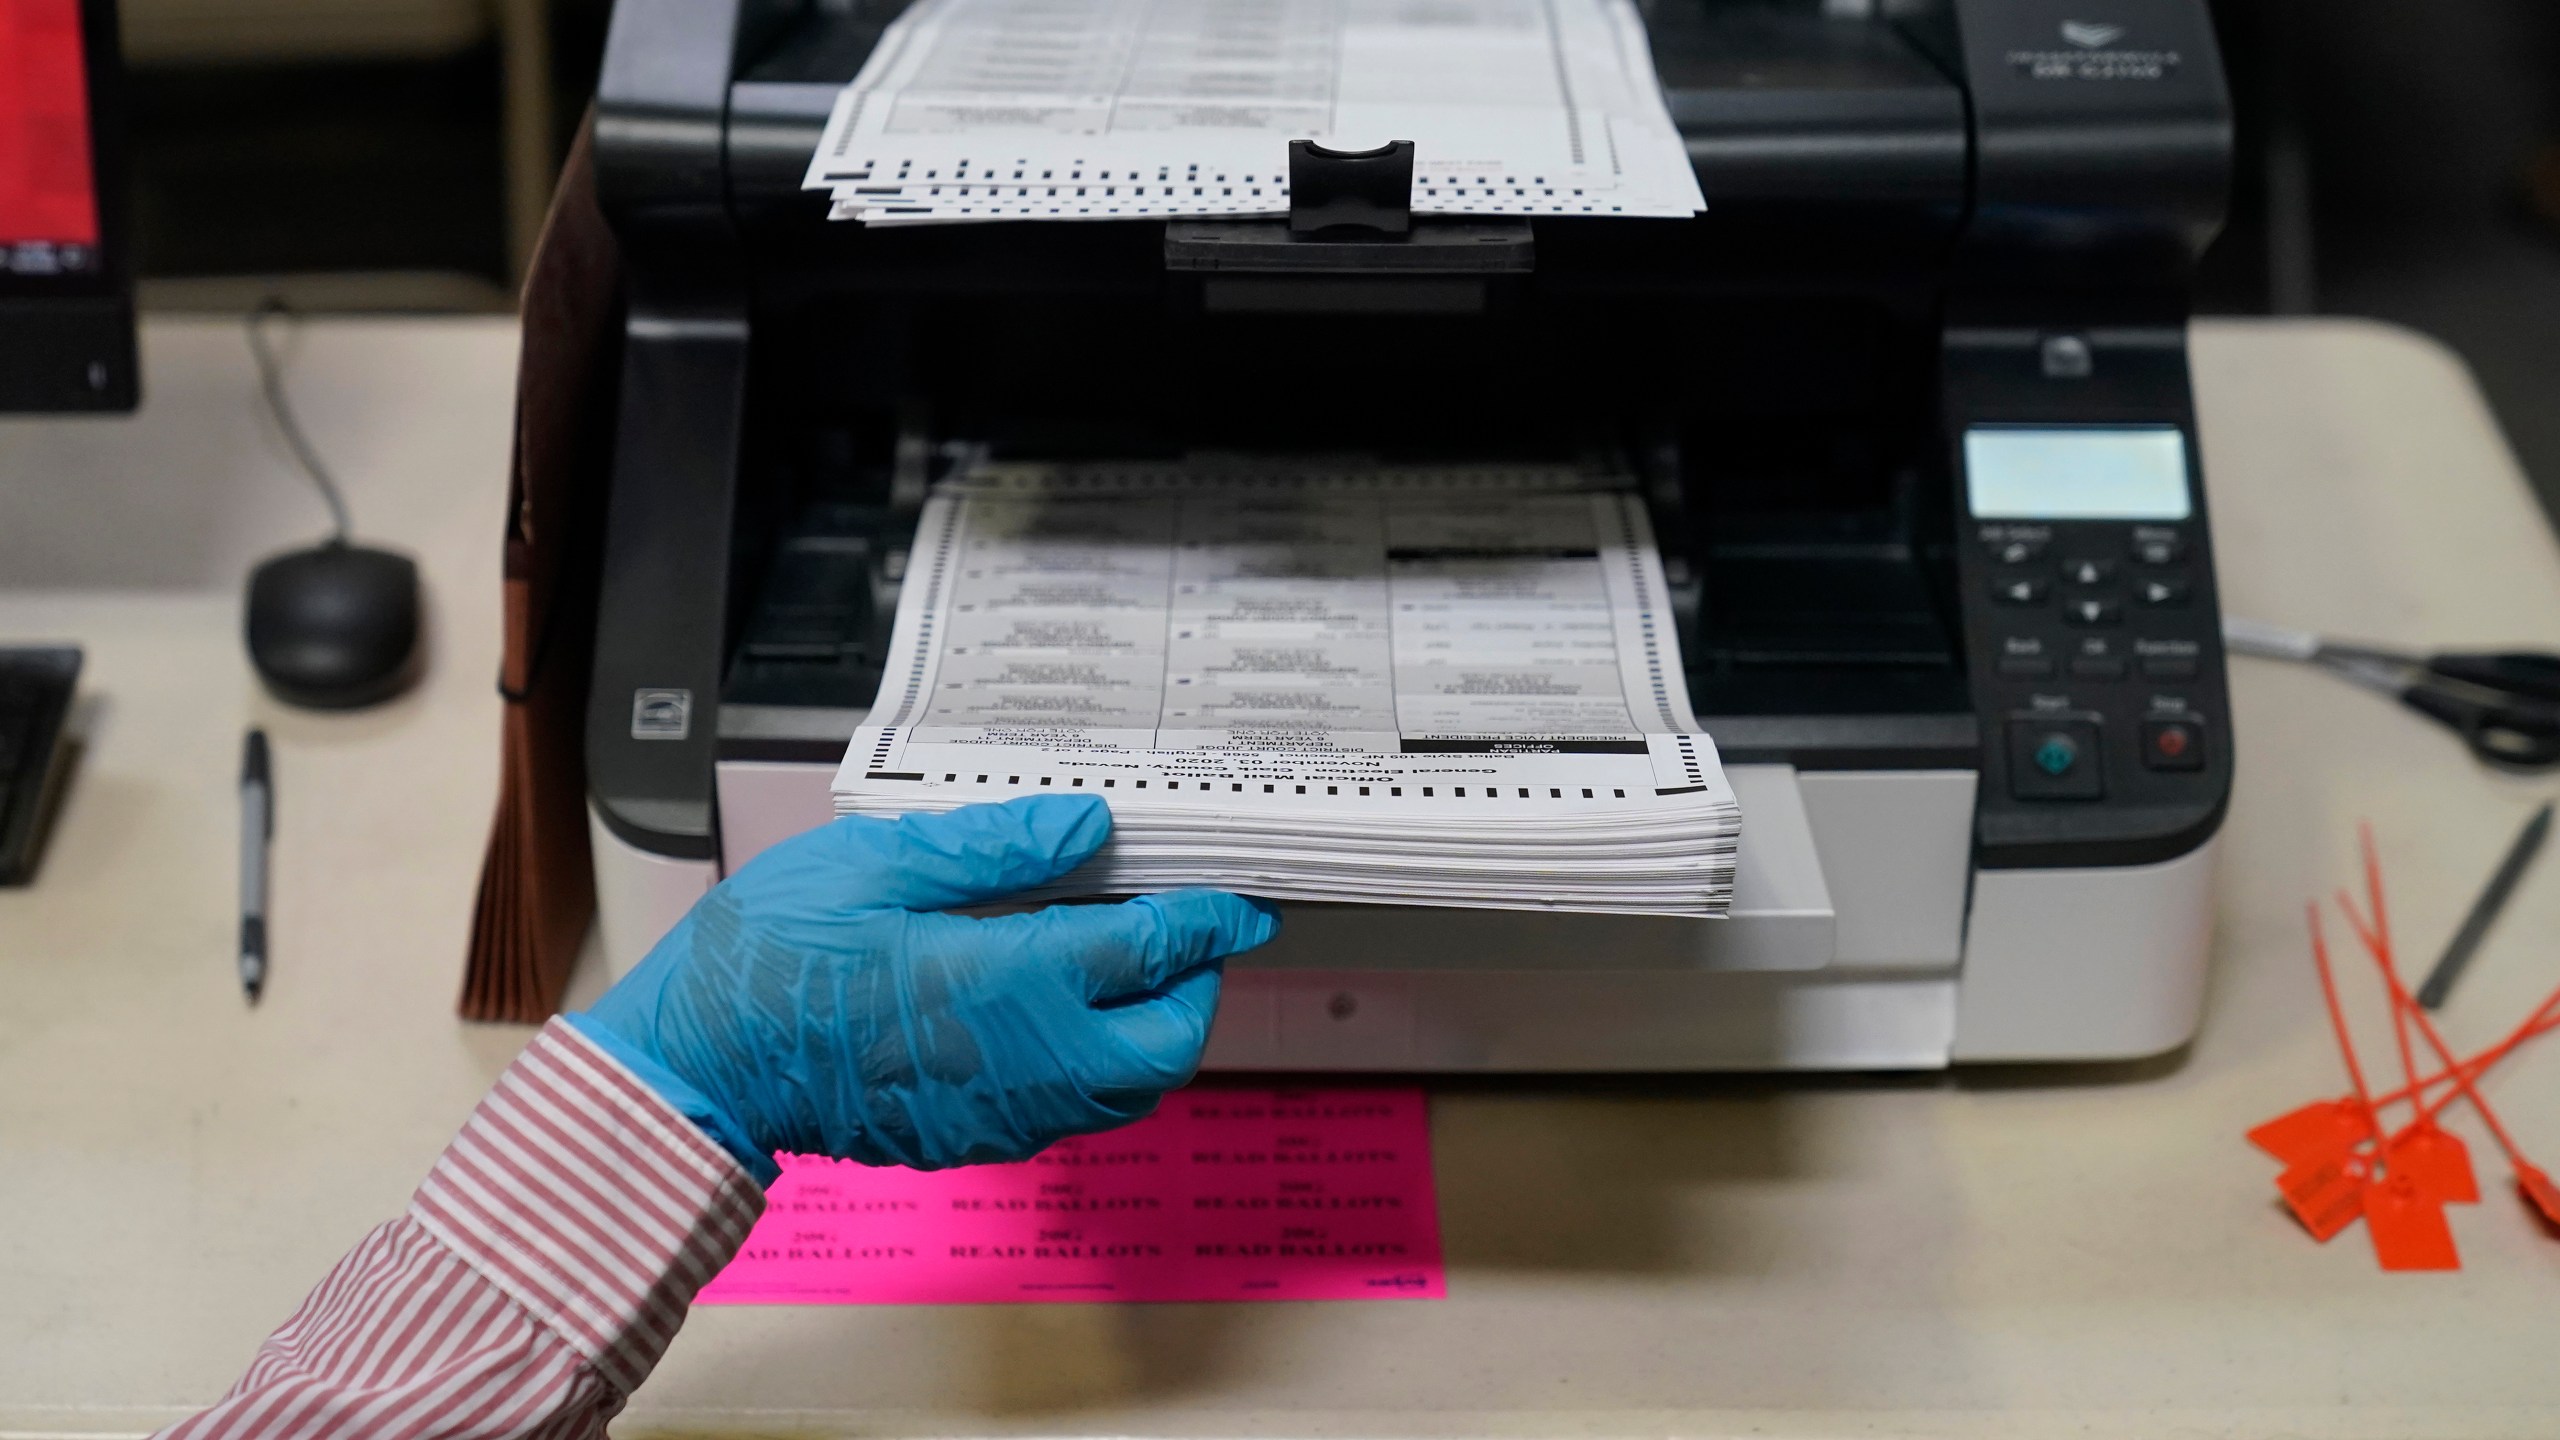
column 66, row 285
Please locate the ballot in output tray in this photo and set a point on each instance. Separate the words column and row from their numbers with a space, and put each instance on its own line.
column 1975, row 718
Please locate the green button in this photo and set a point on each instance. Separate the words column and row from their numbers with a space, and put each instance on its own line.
column 2056, row 759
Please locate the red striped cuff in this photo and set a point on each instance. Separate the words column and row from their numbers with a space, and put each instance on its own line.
column 590, row 1201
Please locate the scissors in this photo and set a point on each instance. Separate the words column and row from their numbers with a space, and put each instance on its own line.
column 2504, row 704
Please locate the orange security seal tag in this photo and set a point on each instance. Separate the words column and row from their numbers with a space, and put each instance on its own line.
column 2537, row 1188
column 2326, row 1195
column 2318, row 1131
column 2408, row 1225
column 2437, row 1159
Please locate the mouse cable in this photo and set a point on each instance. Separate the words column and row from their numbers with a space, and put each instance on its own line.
column 280, row 409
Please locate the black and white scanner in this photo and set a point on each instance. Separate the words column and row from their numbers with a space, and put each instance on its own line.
column 1909, row 405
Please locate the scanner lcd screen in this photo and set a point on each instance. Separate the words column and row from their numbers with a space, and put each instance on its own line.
column 2080, row 472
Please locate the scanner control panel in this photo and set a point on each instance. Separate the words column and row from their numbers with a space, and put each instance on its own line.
column 2094, row 641
column 2099, row 646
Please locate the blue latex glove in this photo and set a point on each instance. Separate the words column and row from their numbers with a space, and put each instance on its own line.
column 816, row 1003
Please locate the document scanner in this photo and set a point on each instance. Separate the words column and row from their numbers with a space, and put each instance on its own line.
column 1909, row 405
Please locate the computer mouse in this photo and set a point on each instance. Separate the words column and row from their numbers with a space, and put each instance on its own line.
column 334, row 627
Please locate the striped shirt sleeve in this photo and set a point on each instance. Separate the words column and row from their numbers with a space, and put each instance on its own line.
column 538, row 1275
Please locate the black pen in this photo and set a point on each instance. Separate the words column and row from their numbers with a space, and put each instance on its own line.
column 257, row 830
column 2484, row 911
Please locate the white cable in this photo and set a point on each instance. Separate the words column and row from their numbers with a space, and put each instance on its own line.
column 2271, row 642
column 271, row 384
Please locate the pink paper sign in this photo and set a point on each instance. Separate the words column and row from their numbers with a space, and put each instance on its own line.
column 1221, row 1195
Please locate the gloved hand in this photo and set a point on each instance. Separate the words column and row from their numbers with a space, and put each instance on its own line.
column 816, row 1003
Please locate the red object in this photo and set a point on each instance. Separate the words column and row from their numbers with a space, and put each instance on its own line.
column 2326, row 1195
column 2444, row 1053
column 2400, row 1183
column 47, row 192
column 2542, row 1022
column 2536, row 1186
column 2436, row 1159
column 2408, row 1226
column 2317, row 1131
column 2380, row 943
column 2338, row 1019
column 2424, row 1153
column 2539, row 1190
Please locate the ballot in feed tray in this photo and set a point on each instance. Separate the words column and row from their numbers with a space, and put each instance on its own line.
column 1782, row 916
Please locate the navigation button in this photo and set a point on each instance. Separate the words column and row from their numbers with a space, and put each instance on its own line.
column 2088, row 572
column 2022, row 591
column 2093, row 612
column 2055, row 760
column 2162, row 594
column 2173, row 744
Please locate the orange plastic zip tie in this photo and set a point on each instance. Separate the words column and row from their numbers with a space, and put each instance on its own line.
column 2326, row 1192
column 2536, row 1026
column 2373, row 881
column 2536, row 1186
column 2423, row 1153
column 2380, row 941
column 2327, row 1127
column 2424, row 1166
column 2430, row 1156
column 2377, row 945
column 2338, row 1017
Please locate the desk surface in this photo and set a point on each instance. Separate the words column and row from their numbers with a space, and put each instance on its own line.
column 2029, row 1254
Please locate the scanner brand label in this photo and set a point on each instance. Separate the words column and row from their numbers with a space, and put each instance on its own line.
column 2093, row 54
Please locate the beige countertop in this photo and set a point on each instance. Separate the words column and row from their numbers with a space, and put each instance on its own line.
column 2005, row 1253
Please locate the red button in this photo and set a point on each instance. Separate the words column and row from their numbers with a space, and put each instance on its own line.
column 2173, row 744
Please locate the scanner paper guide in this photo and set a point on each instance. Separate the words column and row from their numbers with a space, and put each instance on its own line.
column 1417, row 686
column 1100, row 109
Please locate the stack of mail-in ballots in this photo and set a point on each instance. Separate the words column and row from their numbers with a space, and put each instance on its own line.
column 1117, row 109
column 1452, row 686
